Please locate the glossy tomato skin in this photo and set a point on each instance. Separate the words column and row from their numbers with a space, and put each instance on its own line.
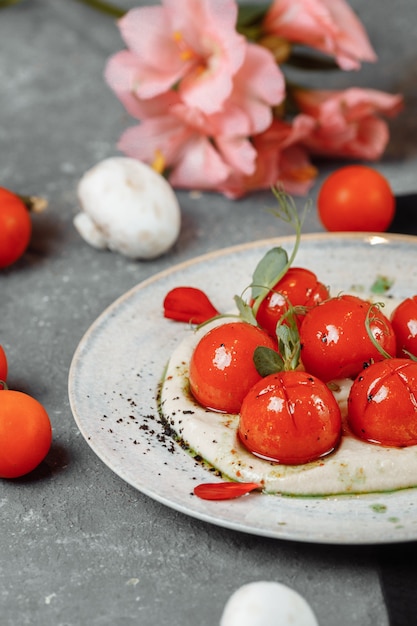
column 299, row 286
column 25, row 433
column 404, row 323
column 3, row 366
column 382, row 404
column 221, row 366
column 334, row 340
column 356, row 198
column 290, row 418
column 15, row 227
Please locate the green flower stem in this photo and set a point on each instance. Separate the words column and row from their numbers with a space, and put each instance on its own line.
column 7, row 3
column 105, row 7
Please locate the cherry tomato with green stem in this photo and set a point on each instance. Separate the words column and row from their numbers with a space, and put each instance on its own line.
column 25, row 433
column 291, row 418
column 298, row 287
column 340, row 336
column 404, row 323
column 221, row 367
column 356, row 198
column 15, row 227
column 382, row 403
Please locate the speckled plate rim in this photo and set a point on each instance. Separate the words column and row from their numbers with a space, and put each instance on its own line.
column 117, row 366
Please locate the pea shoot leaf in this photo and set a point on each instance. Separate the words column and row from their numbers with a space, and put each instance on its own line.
column 245, row 311
column 267, row 361
column 381, row 284
column 269, row 270
column 289, row 344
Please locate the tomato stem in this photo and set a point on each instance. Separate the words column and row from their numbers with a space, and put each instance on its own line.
column 3, row 385
column 368, row 321
column 34, row 204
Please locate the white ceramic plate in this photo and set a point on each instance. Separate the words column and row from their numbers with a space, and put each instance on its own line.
column 116, row 369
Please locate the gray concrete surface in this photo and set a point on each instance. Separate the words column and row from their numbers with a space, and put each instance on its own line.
column 78, row 546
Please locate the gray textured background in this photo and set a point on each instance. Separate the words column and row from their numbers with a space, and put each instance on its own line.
column 78, row 546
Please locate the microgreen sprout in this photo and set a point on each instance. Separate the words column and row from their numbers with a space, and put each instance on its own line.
column 287, row 358
column 274, row 265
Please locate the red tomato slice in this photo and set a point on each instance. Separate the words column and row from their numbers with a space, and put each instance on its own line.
column 334, row 339
column 221, row 367
column 382, row 404
column 290, row 418
column 299, row 286
column 224, row 491
column 404, row 323
column 188, row 304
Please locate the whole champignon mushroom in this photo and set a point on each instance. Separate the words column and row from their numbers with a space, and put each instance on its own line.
column 267, row 603
column 129, row 208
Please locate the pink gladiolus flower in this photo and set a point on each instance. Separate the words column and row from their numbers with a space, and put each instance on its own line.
column 190, row 44
column 326, row 25
column 348, row 122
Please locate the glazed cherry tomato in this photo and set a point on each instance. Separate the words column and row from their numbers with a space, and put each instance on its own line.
column 356, row 198
column 25, row 433
column 404, row 323
column 15, row 227
column 290, row 418
column 3, row 366
column 382, row 404
column 221, row 367
column 335, row 341
column 299, row 286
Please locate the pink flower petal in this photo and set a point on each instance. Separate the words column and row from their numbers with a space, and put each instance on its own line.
column 200, row 167
column 330, row 26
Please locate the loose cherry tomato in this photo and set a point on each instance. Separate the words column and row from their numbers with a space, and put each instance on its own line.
column 299, row 286
column 334, row 338
column 15, row 227
column 221, row 367
column 382, row 404
column 290, row 418
column 25, row 433
column 356, row 198
column 404, row 323
column 3, row 366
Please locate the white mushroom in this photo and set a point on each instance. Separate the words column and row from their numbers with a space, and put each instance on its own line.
column 267, row 603
column 128, row 208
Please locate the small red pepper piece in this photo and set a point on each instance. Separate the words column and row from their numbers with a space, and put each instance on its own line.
column 188, row 304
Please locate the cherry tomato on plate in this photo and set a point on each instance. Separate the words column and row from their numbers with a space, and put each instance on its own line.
column 334, row 338
column 404, row 323
column 291, row 418
column 356, row 198
column 221, row 367
column 25, row 433
column 3, row 366
column 299, row 286
column 15, row 227
column 382, row 403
